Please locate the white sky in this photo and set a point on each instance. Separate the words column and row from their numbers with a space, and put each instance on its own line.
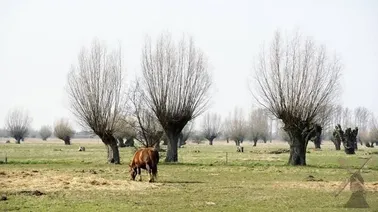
column 39, row 40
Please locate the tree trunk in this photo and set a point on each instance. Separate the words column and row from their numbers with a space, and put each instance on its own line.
column 255, row 142
column 181, row 141
column 18, row 141
column 172, row 148
column 349, row 150
column 298, row 146
column 113, row 152
column 211, row 141
column 337, row 145
column 67, row 140
column 121, row 143
column 227, row 140
column 237, row 143
column 129, row 142
column 317, row 143
column 350, row 143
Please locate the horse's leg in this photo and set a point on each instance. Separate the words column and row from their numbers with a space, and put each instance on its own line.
column 149, row 170
column 140, row 174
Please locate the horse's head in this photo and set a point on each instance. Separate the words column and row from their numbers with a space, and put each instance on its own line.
column 133, row 172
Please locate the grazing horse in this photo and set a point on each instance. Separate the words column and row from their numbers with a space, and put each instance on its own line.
column 144, row 158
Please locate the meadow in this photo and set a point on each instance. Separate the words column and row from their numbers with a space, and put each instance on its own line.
column 49, row 176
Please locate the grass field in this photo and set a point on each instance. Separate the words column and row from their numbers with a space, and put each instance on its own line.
column 207, row 178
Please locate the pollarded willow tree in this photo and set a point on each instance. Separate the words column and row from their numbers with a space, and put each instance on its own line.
column 211, row 126
column 236, row 126
column 63, row 130
column 95, row 89
column 175, row 82
column 17, row 123
column 45, row 132
column 258, row 125
column 297, row 82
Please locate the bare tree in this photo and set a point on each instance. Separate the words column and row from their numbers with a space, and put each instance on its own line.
column 258, row 125
column 63, row 130
column 197, row 137
column 45, row 132
column 17, row 123
column 296, row 80
column 185, row 134
column 237, row 126
column 147, row 127
column 176, row 83
column 95, row 89
column 361, row 120
column 211, row 126
column 125, row 130
column 373, row 130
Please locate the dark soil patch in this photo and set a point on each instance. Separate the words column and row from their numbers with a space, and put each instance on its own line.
column 312, row 178
column 279, row 151
column 32, row 193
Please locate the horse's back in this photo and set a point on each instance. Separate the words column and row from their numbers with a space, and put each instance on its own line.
column 146, row 156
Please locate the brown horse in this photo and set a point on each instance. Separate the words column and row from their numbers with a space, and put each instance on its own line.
column 144, row 158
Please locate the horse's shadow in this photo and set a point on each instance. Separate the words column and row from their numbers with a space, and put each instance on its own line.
column 180, row 181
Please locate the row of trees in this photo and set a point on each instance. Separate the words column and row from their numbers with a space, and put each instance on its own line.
column 360, row 117
column 295, row 81
column 18, row 121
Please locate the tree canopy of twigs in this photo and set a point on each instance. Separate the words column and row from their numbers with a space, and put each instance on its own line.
column 297, row 82
column 63, row 130
column 17, row 123
column 147, row 127
column 95, row 88
column 45, row 132
column 211, row 126
column 175, row 82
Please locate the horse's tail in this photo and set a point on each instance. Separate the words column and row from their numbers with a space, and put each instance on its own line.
column 156, row 153
column 155, row 159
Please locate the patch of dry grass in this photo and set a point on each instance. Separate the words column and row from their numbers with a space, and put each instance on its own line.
column 330, row 186
column 49, row 181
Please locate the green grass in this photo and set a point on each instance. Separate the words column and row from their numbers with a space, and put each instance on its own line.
column 203, row 180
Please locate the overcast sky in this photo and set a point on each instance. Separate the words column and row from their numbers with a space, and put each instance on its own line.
column 39, row 40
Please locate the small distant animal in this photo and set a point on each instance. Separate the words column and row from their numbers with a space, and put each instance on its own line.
column 81, row 149
column 144, row 158
column 240, row 149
